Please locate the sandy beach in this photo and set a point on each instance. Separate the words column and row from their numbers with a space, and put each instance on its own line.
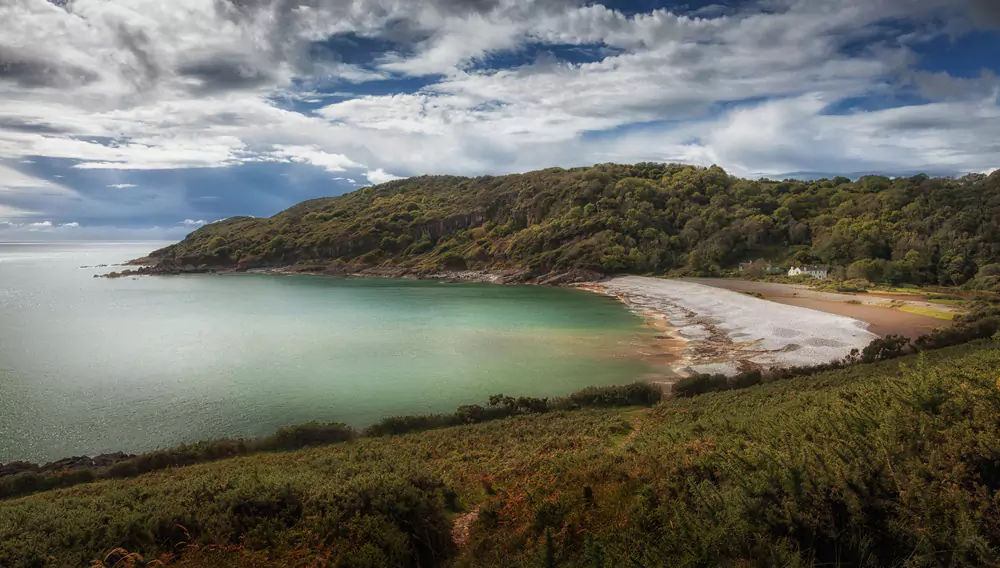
column 728, row 332
column 871, row 308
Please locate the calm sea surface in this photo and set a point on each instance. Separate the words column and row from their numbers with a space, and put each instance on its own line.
column 94, row 365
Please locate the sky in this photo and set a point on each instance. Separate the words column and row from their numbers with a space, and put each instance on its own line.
column 144, row 119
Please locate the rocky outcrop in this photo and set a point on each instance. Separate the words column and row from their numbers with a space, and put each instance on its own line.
column 340, row 268
column 159, row 270
column 575, row 276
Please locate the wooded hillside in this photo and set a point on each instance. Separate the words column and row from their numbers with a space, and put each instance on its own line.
column 644, row 218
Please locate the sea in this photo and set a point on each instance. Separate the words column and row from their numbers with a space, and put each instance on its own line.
column 94, row 365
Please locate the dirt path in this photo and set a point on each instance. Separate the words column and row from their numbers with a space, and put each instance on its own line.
column 636, row 419
column 874, row 310
column 461, row 530
column 463, row 527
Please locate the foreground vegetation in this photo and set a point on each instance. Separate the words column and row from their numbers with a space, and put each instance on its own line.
column 31, row 477
column 646, row 218
column 892, row 463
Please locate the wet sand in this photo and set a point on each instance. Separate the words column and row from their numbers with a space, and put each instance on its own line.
column 883, row 320
column 664, row 349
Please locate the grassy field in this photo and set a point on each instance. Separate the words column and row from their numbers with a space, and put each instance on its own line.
column 896, row 463
column 925, row 311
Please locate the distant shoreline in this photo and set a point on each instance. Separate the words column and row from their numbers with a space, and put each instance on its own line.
column 152, row 267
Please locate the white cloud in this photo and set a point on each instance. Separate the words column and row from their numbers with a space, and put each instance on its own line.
column 801, row 136
column 9, row 212
column 379, row 176
column 123, row 185
column 313, row 155
column 145, row 85
column 40, row 225
column 24, row 195
column 11, row 179
column 193, row 223
column 73, row 225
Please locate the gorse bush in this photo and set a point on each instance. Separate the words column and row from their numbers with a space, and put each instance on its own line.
column 887, row 464
column 701, row 384
column 857, row 482
column 958, row 334
column 311, row 434
column 635, row 394
column 880, row 349
column 501, row 406
column 315, row 434
column 188, row 454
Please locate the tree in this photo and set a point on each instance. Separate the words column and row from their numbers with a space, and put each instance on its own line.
column 867, row 269
column 698, row 261
column 647, row 217
column 277, row 244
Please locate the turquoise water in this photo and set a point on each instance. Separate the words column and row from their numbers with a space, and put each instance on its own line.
column 94, row 365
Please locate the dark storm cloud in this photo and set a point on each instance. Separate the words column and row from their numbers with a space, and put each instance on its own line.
column 397, row 21
column 28, row 70
column 944, row 86
column 145, row 69
column 280, row 29
column 404, row 31
column 37, row 65
column 986, row 13
column 222, row 73
column 18, row 125
column 371, row 7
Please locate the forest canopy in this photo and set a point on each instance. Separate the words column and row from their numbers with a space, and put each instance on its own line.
column 642, row 218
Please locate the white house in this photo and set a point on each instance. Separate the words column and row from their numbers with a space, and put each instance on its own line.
column 814, row 271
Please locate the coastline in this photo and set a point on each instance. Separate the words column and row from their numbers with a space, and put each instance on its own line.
column 729, row 333
column 152, row 267
column 720, row 332
column 668, row 354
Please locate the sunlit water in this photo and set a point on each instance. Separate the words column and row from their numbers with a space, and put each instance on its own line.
column 94, row 365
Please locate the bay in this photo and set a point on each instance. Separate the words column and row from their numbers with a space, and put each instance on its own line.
column 91, row 365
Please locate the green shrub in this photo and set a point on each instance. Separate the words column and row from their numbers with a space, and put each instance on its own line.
column 452, row 261
column 880, row 349
column 276, row 245
column 310, row 434
column 700, row 384
column 395, row 425
column 958, row 334
column 635, row 394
